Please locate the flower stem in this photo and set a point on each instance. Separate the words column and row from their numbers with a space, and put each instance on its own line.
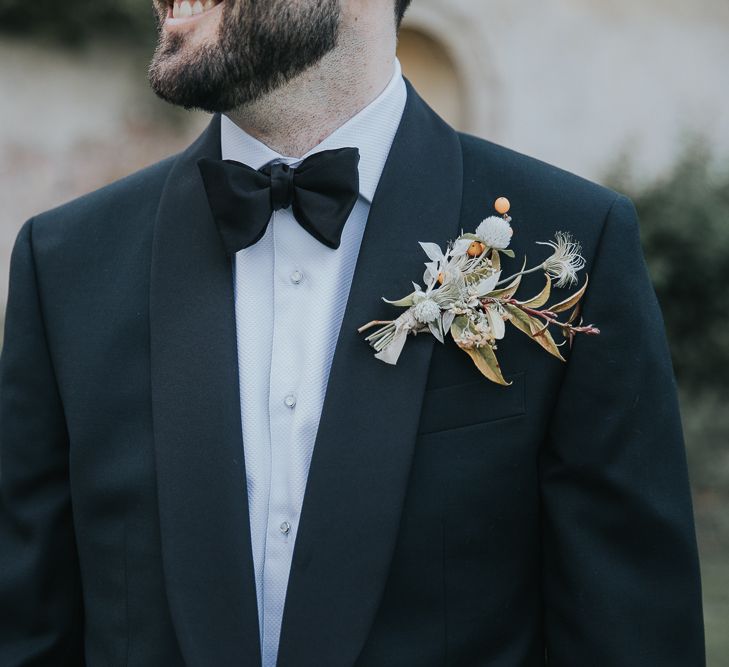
column 568, row 329
column 374, row 323
column 520, row 273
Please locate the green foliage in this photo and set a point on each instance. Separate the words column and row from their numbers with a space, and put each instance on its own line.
column 75, row 22
column 706, row 428
column 684, row 222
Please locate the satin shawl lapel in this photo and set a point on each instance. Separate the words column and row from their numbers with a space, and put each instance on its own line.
column 364, row 447
column 203, row 505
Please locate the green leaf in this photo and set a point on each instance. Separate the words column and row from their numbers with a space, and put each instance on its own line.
column 534, row 329
column 486, row 362
column 541, row 298
column 459, row 325
column 544, row 338
column 405, row 302
column 506, row 292
column 477, row 275
column 508, row 252
column 570, row 301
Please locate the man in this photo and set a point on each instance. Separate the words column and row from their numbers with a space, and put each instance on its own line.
column 204, row 465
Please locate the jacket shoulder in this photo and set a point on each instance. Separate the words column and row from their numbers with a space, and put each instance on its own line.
column 484, row 160
column 123, row 207
column 544, row 198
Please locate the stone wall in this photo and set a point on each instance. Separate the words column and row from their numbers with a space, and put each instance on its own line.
column 579, row 83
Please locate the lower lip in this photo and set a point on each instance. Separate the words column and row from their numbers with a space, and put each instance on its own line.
column 173, row 22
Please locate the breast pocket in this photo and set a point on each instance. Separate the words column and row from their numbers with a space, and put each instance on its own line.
column 471, row 403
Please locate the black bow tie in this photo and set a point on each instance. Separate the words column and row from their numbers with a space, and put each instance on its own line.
column 322, row 192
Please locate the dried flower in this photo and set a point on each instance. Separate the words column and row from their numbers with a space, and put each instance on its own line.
column 495, row 232
column 464, row 297
column 494, row 315
column 426, row 310
column 565, row 261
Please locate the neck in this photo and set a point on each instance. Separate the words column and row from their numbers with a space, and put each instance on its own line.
column 303, row 112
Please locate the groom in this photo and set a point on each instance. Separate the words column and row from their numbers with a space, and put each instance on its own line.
column 204, row 465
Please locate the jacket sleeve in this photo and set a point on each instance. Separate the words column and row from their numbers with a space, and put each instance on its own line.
column 621, row 583
column 40, row 592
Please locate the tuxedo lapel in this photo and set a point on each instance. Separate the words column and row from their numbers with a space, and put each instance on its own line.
column 203, row 505
column 364, row 446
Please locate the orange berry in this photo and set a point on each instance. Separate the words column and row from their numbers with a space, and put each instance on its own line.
column 476, row 249
column 502, row 205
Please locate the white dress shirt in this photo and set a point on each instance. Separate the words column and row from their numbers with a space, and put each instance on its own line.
column 290, row 295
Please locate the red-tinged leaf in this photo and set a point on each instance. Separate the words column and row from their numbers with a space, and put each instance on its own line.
column 548, row 343
column 540, row 299
column 571, row 300
column 534, row 329
column 545, row 326
column 574, row 314
column 522, row 320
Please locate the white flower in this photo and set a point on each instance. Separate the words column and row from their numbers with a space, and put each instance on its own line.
column 445, row 267
column 565, row 261
column 486, row 285
column 460, row 247
column 435, row 254
column 497, row 328
column 495, row 232
column 426, row 310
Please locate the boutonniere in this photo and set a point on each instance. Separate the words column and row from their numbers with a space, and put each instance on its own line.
column 465, row 296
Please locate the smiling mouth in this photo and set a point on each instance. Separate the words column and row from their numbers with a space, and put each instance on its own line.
column 182, row 10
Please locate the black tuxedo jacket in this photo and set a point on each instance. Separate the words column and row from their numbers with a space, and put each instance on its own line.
column 447, row 520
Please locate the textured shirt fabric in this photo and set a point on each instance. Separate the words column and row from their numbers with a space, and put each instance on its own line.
column 290, row 295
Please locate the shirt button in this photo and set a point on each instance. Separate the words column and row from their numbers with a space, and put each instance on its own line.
column 297, row 277
column 285, row 527
column 290, row 401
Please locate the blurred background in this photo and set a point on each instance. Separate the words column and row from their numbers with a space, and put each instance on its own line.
column 631, row 93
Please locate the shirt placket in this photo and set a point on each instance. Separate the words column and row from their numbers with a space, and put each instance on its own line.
column 284, row 380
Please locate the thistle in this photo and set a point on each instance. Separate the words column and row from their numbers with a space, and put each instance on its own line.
column 565, row 261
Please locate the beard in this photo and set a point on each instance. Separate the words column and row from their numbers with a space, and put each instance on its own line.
column 259, row 46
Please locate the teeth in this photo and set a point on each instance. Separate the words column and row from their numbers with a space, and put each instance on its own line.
column 186, row 8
